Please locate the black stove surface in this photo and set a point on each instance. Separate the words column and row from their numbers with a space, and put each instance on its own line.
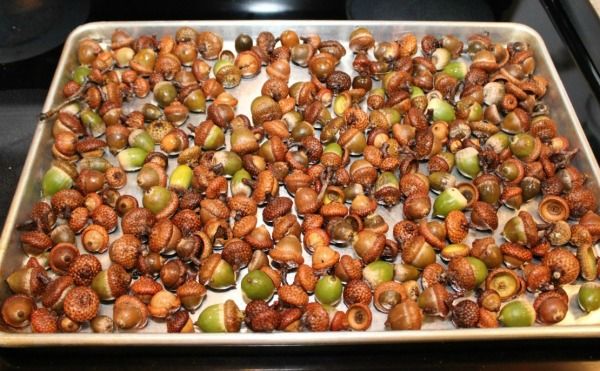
column 23, row 86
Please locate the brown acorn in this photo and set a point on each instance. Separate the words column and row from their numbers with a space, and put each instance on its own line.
column 125, row 250
column 129, row 313
column 405, row 316
column 84, row 268
column 537, row 277
column 306, row 278
column 138, row 222
column 484, row 216
column 237, row 252
column 563, row 265
column 17, row 310
column 144, row 288
column 418, row 252
column 173, row 274
column 192, row 294
column 187, row 221
column 81, row 304
column 35, row 243
column 457, row 226
column 163, row 303
column 54, row 294
column 111, row 283
column 260, row 317
column 551, row 306
column 28, row 281
column 465, row 314
column 94, row 238
column 315, row 318
column 293, row 295
column 357, row 291
column 388, row 294
column 164, row 237
column 43, row 321
column 348, row 269
column 106, row 217
column 65, row 201
column 368, row 245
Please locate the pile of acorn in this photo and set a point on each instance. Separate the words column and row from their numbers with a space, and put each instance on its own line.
column 427, row 109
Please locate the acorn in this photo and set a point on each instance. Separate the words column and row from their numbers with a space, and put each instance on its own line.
column 588, row 297
column 588, row 262
column 564, row 266
column 125, row 250
column 140, row 138
column 405, row 316
column 132, row 159
column 81, row 304
column 43, row 321
column 28, row 281
column 35, row 243
column 102, row 324
column 387, row 189
column 163, row 303
column 357, row 291
column 359, row 317
column 450, row 199
column 418, row 253
column 173, row 273
column 191, row 294
column 517, row 313
column 466, row 274
column 216, row 273
column 67, row 325
column 160, row 201
column 467, row 162
column 465, row 314
column 260, row 317
column 433, row 300
column 61, row 256
column 54, row 294
column 151, row 174
column 17, row 310
column 180, row 322
column 257, row 285
column 505, row 282
column 328, row 290
column 144, row 288
column 95, row 239
column 181, row 178
column 224, row 317
column 388, row 294
column 84, row 268
column 368, row 245
column 111, row 283
column 378, row 272
column 488, row 186
column 521, row 229
column 129, row 313
column 551, row 306
column 287, row 252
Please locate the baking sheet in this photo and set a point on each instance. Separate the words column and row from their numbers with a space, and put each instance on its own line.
column 39, row 158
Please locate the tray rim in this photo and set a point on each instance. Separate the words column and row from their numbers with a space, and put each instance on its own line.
column 11, row 340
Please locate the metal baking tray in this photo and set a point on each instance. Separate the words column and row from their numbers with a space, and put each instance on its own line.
column 576, row 325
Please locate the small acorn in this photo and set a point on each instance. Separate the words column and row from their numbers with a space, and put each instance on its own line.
column 517, row 313
column 378, row 272
column 466, row 274
column 405, row 316
column 129, row 313
column 216, row 273
column 450, row 199
column 17, row 310
column 225, row 317
column 588, row 297
column 102, row 324
column 111, row 283
column 191, row 294
column 28, row 281
column 81, row 304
